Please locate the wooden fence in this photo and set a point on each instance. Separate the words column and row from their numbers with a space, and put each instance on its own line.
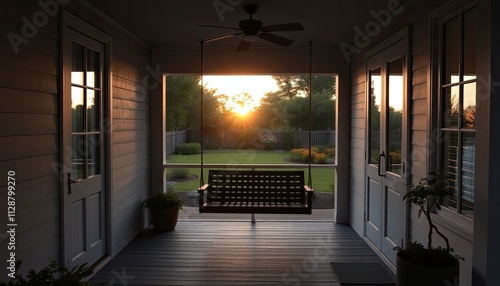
column 261, row 139
column 174, row 138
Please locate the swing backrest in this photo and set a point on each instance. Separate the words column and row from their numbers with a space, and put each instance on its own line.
column 284, row 187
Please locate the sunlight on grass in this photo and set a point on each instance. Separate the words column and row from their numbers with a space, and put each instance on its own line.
column 323, row 179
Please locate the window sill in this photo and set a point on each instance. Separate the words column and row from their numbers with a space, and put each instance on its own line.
column 456, row 223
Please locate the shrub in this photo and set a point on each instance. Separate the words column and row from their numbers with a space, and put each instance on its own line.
column 179, row 173
column 318, row 155
column 290, row 139
column 295, row 155
column 395, row 157
column 268, row 139
column 320, row 158
column 304, row 156
column 329, row 152
column 188, row 149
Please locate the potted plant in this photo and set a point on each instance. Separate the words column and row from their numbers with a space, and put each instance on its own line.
column 164, row 208
column 419, row 265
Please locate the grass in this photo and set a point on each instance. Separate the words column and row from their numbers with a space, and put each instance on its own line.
column 323, row 179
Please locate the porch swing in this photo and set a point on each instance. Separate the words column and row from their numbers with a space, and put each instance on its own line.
column 255, row 191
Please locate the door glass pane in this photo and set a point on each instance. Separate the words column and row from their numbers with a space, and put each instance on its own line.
column 469, row 106
column 450, row 165
column 395, row 115
column 78, row 157
column 93, row 162
column 375, row 102
column 470, row 32
column 77, row 109
column 468, row 160
column 93, row 69
column 451, row 99
column 452, row 51
column 93, row 116
column 77, row 67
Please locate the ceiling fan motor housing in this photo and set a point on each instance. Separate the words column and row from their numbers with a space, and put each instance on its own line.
column 251, row 26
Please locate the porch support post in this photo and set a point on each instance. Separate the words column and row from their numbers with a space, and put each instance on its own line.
column 486, row 250
column 158, row 140
column 343, row 139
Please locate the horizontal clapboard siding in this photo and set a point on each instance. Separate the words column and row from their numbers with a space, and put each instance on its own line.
column 357, row 145
column 130, row 148
column 30, row 132
column 29, row 135
column 131, row 145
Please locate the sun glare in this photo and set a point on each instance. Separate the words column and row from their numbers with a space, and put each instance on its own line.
column 244, row 92
column 242, row 110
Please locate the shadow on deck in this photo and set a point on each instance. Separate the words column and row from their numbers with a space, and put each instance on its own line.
column 216, row 252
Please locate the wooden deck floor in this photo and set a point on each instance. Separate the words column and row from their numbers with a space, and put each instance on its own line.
column 211, row 252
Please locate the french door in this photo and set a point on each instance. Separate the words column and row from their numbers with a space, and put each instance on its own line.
column 84, row 160
column 386, row 148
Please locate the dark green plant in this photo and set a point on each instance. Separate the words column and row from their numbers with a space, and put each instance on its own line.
column 289, row 138
column 51, row 275
column 165, row 200
column 179, row 173
column 188, row 149
column 427, row 195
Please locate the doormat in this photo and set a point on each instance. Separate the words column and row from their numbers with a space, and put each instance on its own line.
column 361, row 273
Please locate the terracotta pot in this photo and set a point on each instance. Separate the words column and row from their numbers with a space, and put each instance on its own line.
column 165, row 219
column 409, row 274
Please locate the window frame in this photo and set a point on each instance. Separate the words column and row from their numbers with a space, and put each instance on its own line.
column 446, row 216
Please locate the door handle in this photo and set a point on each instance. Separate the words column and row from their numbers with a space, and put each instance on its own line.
column 379, row 163
column 70, row 182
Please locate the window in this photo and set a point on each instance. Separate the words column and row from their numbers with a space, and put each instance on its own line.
column 251, row 120
column 86, row 114
column 457, row 107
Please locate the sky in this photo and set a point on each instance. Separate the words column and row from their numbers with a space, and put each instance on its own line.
column 230, row 85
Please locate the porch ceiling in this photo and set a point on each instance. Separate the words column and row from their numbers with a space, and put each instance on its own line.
column 174, row 23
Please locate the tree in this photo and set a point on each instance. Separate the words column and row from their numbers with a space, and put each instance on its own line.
column 183, row 93
column 183, row 104
column 289, row 106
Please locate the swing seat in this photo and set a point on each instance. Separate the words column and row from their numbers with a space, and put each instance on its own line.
column 270, row 192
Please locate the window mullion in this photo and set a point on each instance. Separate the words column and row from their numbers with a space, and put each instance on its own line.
column 85, row 119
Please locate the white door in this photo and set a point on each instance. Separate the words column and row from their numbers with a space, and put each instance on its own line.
column 387, row 148
column 84, row 193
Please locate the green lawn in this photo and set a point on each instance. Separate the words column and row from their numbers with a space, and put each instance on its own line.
column 323, row 179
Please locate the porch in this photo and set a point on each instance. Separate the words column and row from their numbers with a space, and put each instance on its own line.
column 212, row 251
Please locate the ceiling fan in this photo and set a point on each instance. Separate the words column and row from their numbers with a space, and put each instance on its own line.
column 253, row 29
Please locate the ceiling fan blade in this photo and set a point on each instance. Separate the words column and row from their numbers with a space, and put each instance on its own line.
column 276, row 39
column 221, row 38
column 283, row 27
column 219, row 27
column 243, row 45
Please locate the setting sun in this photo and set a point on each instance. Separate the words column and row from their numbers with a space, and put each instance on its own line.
column 244, row 92
column 242, row 110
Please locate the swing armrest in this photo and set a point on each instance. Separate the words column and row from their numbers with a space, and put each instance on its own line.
column 202, row 188
column 201, row 194
column 309, row 192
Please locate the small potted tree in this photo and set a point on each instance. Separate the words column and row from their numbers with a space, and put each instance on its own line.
column 418, row 265
column 164, row 208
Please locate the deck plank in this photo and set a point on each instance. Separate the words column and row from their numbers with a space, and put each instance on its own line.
column 213, row 252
